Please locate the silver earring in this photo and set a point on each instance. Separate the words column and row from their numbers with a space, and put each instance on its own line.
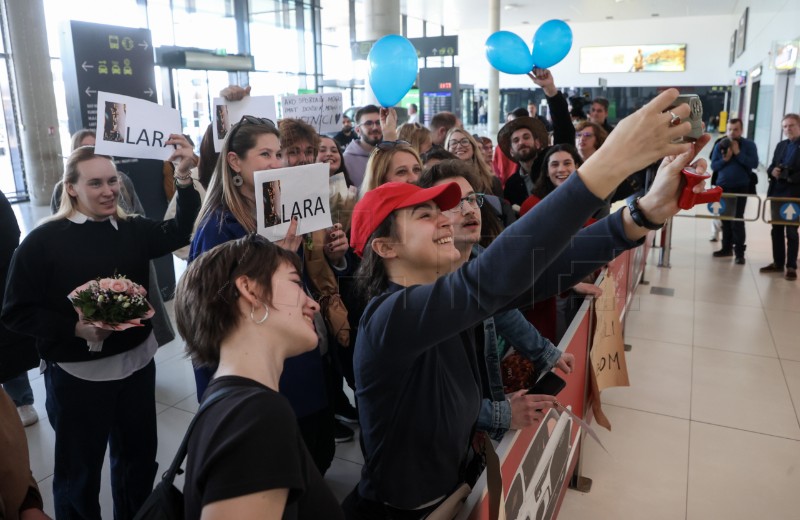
column 237, row 180
column 262, row 320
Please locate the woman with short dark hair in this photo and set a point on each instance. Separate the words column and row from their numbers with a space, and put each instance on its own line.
column 241, row 306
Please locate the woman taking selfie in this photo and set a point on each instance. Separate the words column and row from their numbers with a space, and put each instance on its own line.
column 415, row 363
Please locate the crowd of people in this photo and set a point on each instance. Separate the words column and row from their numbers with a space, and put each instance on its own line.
column 400, row 300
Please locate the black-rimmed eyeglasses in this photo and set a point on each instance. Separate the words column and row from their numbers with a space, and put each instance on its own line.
column 474, row 199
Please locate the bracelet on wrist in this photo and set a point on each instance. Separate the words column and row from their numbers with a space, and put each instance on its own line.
column 638, row 217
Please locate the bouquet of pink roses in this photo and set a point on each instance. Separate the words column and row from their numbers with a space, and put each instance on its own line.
column 111, row 304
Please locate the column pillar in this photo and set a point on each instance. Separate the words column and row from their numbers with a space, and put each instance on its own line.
column 382, row 17
column 493, row 111
column 39, row 136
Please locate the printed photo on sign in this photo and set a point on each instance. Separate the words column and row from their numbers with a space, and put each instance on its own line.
column 322, row 111
column 135, row 128
column 222, row 125
column 228, row 113
column 300, row 192
column 272, row 203
column 114, row 122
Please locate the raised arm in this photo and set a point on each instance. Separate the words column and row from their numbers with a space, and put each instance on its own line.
column 563, row 129
column 525, row 251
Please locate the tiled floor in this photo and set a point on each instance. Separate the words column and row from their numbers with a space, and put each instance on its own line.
column 708, row 428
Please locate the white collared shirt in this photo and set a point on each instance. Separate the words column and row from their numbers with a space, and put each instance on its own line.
column 79, row 218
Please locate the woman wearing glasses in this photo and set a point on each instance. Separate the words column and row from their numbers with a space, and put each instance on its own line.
column 498, row 413
column 464, row 146
column 229, row 213
column 416, row 371
column 589, row 137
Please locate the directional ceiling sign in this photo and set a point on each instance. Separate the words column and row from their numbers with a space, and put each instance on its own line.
column 106, row 58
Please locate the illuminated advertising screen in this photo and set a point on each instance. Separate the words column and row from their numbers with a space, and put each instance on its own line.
column 634, row 58
column 786, row 55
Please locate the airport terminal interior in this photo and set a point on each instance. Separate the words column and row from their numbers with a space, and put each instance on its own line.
column 710, row 424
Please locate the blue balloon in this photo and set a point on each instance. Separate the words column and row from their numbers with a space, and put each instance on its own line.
column 392, row 69
column 508, row 53
column 551, row 43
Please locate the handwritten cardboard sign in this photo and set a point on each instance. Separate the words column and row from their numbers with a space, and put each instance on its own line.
column 132, row 127
column 608, row 348
column 298, row 191
column 228, row 113
column 322, row 111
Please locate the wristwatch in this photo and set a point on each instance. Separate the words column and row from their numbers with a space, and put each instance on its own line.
column 638, row 217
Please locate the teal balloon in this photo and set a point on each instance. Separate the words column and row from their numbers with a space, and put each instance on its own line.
column 508, row 53
column 551, row 43
column 392, row 69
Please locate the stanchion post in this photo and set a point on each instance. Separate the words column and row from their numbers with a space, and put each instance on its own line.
column 666, row 245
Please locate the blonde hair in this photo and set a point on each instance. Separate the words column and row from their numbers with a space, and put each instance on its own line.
column 415, row 134
column 379, row 163
column 477, row 161
column 222, row 192
column 68, row 204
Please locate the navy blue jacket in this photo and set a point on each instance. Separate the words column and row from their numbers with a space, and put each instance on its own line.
column 417, row 381
column 735, row 173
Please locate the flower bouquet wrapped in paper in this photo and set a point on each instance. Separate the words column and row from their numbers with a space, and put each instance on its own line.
column 111, row 304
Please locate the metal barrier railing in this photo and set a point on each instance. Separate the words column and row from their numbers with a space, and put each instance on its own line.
column 725, row 209
column 786, row 214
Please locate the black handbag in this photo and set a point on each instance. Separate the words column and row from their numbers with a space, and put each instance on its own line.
column 166, row 501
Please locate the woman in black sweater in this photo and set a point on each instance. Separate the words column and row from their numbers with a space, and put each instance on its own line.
column 105, row 397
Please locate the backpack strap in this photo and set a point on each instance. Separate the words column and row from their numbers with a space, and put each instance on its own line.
column 175, row 468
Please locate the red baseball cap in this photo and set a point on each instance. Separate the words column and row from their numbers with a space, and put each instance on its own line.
column 379, row 203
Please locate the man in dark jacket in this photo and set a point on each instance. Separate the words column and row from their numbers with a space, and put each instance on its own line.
column 784, row 181
column 525, row 140
column 733, row 159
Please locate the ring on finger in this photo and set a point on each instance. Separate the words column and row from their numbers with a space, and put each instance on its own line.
column 676, row 119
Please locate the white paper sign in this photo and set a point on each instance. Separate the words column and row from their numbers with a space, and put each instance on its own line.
column 228, row 113
column 131, row 127
column 322, row 111
column 298, row 191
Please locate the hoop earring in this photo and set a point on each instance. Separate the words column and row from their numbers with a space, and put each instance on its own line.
column 237, row 180
column 262, row 320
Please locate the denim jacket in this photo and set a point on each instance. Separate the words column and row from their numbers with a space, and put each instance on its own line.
column 495, row 413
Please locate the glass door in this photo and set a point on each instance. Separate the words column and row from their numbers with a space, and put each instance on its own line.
column 195, row 91
column 12, row 183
